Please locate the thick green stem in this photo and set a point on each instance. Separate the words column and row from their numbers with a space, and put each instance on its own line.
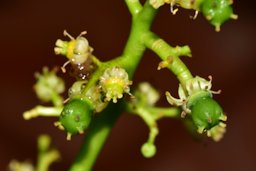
column 169, row 54
column 95, row 138
column 135, row 47
column 134, row 6
column 103, row 122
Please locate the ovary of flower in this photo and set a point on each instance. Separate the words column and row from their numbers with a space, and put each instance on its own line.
column 115, row 82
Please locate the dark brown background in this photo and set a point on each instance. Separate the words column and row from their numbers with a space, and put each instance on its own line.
column 28, row 30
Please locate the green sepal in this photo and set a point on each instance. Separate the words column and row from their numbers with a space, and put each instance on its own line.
column 76, row 116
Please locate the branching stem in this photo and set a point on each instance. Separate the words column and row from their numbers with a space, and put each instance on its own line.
column 101, row 125
column 139, row 39
column 170, row 54
column 134, row 6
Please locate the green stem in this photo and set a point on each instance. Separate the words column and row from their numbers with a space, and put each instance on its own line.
column 160, row 112
column 56, row 99
column 166, row 52
column 155, row 113
column 46, row 159
column 150, row 115
column 46, row 155
column 135, row 47
column 133, row 51
column 94, row 140
column 134, row 6
column 42, row 111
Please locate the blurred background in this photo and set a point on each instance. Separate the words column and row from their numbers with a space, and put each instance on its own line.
column 28, row 31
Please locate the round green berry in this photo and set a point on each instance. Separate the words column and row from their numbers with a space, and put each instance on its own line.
column 206, row 113
column 148, row 150
column 76, row 116
column 217, row 11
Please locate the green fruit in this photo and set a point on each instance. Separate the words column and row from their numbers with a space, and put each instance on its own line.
column 206, row 113
column 76, row 116
column 217, row 11
column 148, row 150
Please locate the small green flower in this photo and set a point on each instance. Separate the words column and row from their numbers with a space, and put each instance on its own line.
column 196, row 100
column 79, row 54
column 115, row 82
column 146, row 94
column 76, row 50
column 194, row 89
column 48, row 85
column 94, row 94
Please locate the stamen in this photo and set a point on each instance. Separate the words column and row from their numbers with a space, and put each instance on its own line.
column 63, row 68
column 173, row 11
column 67, row 34
column 69, row 136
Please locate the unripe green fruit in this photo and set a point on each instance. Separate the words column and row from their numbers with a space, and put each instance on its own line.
column 148, row 150
column 76, row 116
column 206, row 113
column 217, row 11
